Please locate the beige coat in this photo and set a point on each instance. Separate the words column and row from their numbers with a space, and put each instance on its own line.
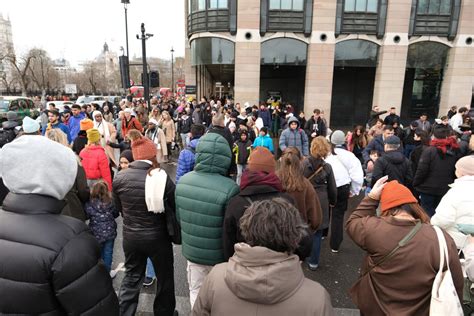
column 259, row 281
column 159, row 139
column 169, row 129
column 111, row 153
column 402, row 284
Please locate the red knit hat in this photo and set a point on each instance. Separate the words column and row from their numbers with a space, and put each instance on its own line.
column 143, row 149
column 394, row 194
column 261, row 159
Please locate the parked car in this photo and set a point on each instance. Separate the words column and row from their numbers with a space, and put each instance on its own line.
column 88, row 99
column 21, row 105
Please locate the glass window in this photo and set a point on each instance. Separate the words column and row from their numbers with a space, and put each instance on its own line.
column 274, row 4
column 423, row 6
column 372, row 6
column 445, row 7
column 349, row 5
column 298, row 5
column 427, row 55
column 283, row 51
column 201, row 5
column 286, row 4
column 361, row 5
column 217, row 4
column 434, row 7
column 212, row 51
column 356, row 53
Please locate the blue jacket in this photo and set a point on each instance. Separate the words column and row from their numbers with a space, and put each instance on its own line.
column 62, row 127
column 102, row 220
column 264, row 141
column 75, row 125
column 294, row 138
column 266, row 117
column 186, row 159
column 375, row 144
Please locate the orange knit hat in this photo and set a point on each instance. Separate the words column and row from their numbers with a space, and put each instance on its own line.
column 86, row 124
column 143, row 149
column 394, row 194
column 261, row 159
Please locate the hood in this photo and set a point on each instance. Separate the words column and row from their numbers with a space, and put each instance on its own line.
column 396, row 157
column 213, row 154
column 463, row 181
column 9, row 124
column 263, row 276
column 194, row 142
column 293, row 119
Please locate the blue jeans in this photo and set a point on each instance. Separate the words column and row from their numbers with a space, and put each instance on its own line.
column 240, row 171
column 150, row 271
column 314, row 257
column 429, row 203
column 107, row 251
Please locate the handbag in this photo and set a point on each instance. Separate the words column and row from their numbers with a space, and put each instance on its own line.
column 444, row 298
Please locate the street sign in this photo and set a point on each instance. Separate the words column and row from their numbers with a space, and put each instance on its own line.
column 70, row 89
column 218, row 84
column 191, row 90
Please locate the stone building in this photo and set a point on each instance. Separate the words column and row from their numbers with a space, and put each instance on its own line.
column 342, row 56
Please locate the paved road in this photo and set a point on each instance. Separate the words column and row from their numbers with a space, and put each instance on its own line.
column 337, row 272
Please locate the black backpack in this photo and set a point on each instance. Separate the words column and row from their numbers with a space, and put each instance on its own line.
column 6, row 136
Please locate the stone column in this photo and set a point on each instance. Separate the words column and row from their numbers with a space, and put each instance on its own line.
column 247, row 53
column 320, row 61
column 390, row 74
column 458, row 78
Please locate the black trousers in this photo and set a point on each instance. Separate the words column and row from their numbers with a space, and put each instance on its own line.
column 160, row 252
column 337, row 217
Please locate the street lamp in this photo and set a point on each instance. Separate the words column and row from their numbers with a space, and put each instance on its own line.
column 172, row 71
column 146, row 82
column 125, row 3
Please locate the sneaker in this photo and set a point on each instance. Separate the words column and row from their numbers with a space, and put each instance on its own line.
column 312, row 267
column 334, row 250
column 148, row 281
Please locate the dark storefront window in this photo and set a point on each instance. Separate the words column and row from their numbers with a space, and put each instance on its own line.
column 284, row 51
column 212, row 16
column 361, row 16
column 423, row 79
column 286, row 16
column 212, row 51
column 435, row 17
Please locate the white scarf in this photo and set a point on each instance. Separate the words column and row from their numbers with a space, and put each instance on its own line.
column 155, row 185
column 102, row 127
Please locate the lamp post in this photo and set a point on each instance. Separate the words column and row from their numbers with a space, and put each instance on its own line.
column 146, row 81
column 172, row 71
column 125, row 3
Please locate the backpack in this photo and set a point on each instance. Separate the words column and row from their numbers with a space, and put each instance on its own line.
column 6, row 136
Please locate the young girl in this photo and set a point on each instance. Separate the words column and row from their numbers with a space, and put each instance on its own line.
column 102, row 223
column 242, row 148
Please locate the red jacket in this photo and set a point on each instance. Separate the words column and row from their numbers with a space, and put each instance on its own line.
column 132, row 124
column 96, row 164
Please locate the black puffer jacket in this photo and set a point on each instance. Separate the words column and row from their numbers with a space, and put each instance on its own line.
column 394, row 165
column 436, row 171
column 129, row 197
column 50, row 263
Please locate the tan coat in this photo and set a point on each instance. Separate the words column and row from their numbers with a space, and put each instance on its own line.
column 259, row 281
column 159, row 139
column 169, row 129
column 307, row 202
column 401, row 285
column 111, row 153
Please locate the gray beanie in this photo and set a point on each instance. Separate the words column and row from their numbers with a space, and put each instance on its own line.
column 12, row 116
column 338, row 138
column 33, row 164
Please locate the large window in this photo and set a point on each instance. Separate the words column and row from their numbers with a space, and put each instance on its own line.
column 197, row 5
column 212, row 51
column 284, row 51
column 292, row 5
column 361, row 6
column 212, row 16
column 218, row 4
column 434, row 7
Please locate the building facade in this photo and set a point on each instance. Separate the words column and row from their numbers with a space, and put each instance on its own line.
column 342, row 56
column 6, row 49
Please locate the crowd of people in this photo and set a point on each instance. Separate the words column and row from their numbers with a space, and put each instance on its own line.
column 257, row 190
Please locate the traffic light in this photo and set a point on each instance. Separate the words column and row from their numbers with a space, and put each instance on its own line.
column 154, row 79
column 124, row 75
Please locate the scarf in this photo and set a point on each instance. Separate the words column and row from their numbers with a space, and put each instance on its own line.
column 103, row 129
column 260, row 178
column 155, row 185
column 443, row 144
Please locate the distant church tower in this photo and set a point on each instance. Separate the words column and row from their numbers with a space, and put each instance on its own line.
column 6, row 38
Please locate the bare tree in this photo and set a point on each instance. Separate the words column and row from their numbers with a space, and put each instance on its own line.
column 21, row 68
column 42, row 72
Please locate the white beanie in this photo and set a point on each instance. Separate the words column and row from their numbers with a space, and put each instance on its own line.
column 30, row 126
column 33, row 164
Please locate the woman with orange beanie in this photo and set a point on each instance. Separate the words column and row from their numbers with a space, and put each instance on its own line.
column 397, row 280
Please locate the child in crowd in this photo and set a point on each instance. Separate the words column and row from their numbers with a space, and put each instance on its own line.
column 264, row 140
column 374, row 155
column 242, row 148
column 102, row 214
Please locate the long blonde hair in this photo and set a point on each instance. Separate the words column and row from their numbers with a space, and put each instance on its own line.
column 291, row 170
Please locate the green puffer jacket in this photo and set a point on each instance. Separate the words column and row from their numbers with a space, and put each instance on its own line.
column 201, row 200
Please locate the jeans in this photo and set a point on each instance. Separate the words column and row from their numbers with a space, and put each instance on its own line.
column 337, row 220
column 408, row 149
column 429, row 203
column 197, row 273
column 150, row 272
column 315, row 252
column 240, row 170
column 107, row 251
column 185, row 139
column 160, row 251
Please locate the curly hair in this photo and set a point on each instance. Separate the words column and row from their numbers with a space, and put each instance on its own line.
column 275, row 224
column 291, row 170
column 320, row 148
column 58, row 136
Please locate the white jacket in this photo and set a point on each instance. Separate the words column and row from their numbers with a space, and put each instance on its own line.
column 347, row 169
column 456, row 207
column 455, row 121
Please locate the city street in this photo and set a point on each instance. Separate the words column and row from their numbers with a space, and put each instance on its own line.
column 337, row 272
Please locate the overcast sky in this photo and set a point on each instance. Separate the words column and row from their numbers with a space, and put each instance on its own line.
column 77, row 29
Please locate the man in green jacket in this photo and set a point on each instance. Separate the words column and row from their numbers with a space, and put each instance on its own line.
column 201, row 199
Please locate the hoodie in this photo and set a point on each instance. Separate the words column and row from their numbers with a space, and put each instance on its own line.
column 264, row 141
column 394, row 165
column 294, row 138
column 186, row 159
column 260, row 281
